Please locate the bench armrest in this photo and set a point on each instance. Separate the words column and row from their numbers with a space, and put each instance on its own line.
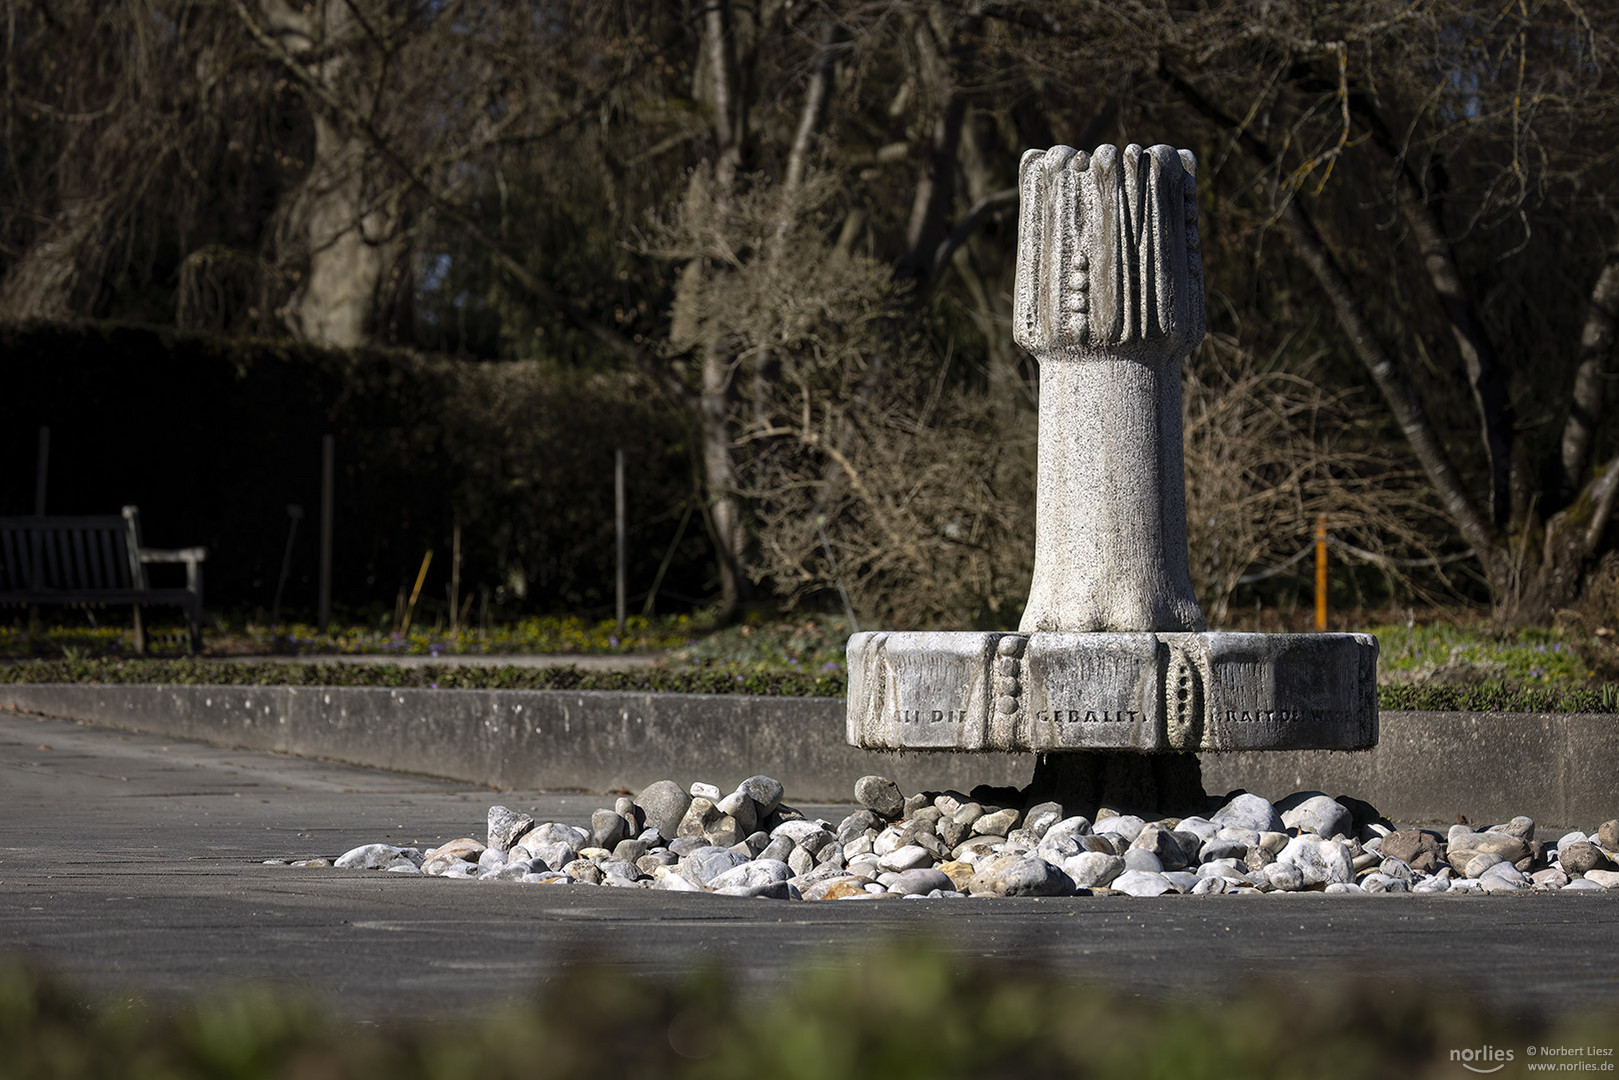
column 173, row 555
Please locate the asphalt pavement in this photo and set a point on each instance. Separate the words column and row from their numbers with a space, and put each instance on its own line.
column 134, row 864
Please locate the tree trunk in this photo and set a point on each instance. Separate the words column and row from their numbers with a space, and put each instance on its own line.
column 335, row 218
column 728, row 120
column 1472, row 344
column 1596, row 352
column 349, row 243
column 1391, row 380
column 45, row 282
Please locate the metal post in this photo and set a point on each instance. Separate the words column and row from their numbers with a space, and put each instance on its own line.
column 295, row 514
column 623, row 552
column 42, row 469
column 1321, row 572
column 328, row 457
column 455, row 576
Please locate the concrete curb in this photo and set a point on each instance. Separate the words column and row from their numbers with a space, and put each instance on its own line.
column 1559, row 769
column 588, row 740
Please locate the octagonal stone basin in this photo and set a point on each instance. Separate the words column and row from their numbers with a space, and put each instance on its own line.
column 1162, row 693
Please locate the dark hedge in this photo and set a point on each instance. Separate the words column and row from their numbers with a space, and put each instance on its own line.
column 213, row 437
column 429, row 676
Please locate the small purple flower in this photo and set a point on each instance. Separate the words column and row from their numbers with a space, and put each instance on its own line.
column 831, row 665
column 612, row 641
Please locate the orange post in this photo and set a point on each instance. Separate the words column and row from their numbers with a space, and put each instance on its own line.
column 1321, row 572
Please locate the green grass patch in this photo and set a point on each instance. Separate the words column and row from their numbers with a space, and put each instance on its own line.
column 551, row 634
column 1489, row 696
column 1523, row 656
column 904, row 1011
column 1498, row 696
column 1431, row 667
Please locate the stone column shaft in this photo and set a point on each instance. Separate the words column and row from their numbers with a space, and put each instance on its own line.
column 1110, row 301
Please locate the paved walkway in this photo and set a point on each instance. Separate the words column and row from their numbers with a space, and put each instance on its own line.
column 133, row 863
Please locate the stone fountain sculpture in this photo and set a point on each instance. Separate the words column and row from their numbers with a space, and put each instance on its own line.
column 1111, row 677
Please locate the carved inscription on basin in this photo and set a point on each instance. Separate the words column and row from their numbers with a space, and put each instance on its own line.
column 1150, row 693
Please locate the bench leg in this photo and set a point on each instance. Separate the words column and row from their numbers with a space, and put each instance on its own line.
column 140, row 633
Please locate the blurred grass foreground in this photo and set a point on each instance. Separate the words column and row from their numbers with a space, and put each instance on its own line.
column 905, row 1011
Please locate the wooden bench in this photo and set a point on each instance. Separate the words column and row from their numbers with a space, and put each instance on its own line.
column 92, row 561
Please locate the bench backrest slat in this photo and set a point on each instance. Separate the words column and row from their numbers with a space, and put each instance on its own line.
column 66, row 554
column 11, row 563
column 80, row 567
column 98, row 560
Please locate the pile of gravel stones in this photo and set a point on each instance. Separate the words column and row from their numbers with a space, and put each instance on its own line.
column 949, row 844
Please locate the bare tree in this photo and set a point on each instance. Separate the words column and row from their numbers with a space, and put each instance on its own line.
column 1427, row 165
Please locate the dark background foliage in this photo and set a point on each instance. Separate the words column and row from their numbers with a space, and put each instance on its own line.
column 213, row 437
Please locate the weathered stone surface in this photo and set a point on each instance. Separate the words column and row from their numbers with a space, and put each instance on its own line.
column 1018, row 875
column 856, row 824
column 1608, row 879
column 748, row 874
column 1463, row 844
column 1551, row 878
column 723, row 830
column 1039, row 818
column 707, row 863
column 464, row 848
column 608, row 828
column 1220, row 848
column 1109, row 298
column 1162, row 843
column 377, row 857
column 999, row 823
column 1182, row 881
column 1415, row 847
column 908, row 857
column 1092, row 869
column 506, row 827
column 1125, row 826
column 765, row 791
column 1608, row 835
column 880, row 795
column 1581, row 857
column 1283, row 877
column 1141, row 883
column 670, row 882
column 631, row 850
column 553, row 853
column 1317, row 861
column 664, row 803
column 1102, row 691
column 1521, row 827
column 1320, row 815
column 1248, row 811
column 1143, row 860
column 699, row 816
column 920, row 882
